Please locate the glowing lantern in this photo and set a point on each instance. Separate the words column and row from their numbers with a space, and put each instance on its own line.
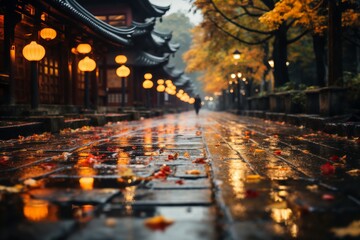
column 48, row 33
column 160, row 88
column 148, row 76
column 86, row 183
column 83, row 48
column 87, row 64
column 33, row 51
column 160, row 81
column 123, row 71
column 181, row 91
column 168, row 82
column 236, row 55
column 121, row 59
column 191, row 100
column 36, row 209
column 147, row 84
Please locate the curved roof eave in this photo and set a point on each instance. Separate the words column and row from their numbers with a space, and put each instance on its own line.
column 173, row 72
column 153, row 10
column 143, row 28
column 166, row 36
column 144, row 59
column 117, row 35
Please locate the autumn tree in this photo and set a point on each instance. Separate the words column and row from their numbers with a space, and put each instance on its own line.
column 316, row 16
column 239, row 20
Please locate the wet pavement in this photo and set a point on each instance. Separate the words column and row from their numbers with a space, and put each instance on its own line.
column 215, row 176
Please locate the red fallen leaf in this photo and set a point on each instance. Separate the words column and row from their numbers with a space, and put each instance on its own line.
column 200, row 161
column 173, row 157
column 180, row 182
column 165, row 169
column 133, row 147
column 160, row 175
column 328, row 197
column 47, row 166
column 327, row 169
column 277, row 152
column 334, row 158
column 251, row 193
column 93, row 159
column 161, row 150
column 158, row 223
column 4, row 159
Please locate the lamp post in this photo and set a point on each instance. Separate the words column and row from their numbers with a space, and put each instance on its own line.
column 34, row 52
column 123, row 72
column 87, row 65
column 147, row 85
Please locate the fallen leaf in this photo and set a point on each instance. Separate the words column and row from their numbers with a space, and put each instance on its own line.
column 277, row 152
column 328, row 197
column 158, row 223
column 258, row 151
column 305, row 151
column 198, row 133
column 173, row 156
column 187, row 155
column 180, row 182
column 4, row 159
column 32, row 183
column 47, row 166
column 313, row 187
column 352, row 230
column 200, row 161
column 327, row 169
column 193, row 172
column 354, row 172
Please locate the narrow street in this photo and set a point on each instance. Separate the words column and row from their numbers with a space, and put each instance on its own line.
column 181, row 176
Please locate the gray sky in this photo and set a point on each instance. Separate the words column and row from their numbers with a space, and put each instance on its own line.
column 179, row 5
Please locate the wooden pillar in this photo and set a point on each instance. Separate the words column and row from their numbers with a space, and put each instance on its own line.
column 10, row 20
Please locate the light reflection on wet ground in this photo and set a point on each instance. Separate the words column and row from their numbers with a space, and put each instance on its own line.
column 96, row 183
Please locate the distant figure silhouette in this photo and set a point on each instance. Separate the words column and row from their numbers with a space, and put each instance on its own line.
column 197, row 104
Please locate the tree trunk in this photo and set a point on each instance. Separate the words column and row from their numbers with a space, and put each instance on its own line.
column 280, row 57
column 320, row 55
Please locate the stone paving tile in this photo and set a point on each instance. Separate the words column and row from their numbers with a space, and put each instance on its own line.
column 38, row 230
column 178, row 183
column 171, row 197
column 70, row 196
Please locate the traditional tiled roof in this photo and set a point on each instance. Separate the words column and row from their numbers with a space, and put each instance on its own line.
column 172, row 72
column 144, row 59
column 151, row 10
column 166, row 36
column 75, row 10
column 144, row 28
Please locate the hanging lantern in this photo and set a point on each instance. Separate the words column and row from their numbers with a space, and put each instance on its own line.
column 236, row 54
column 148, row 76
column 48, row 33
column 33, row 51
column 83, row 48
column 87, row 64
column 121, row 59
column 168, row 82
column 191, row 100
column 147, row 84
column 160, row 81
column 160, row 88
column 123, row 71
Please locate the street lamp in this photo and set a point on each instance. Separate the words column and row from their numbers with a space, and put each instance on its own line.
column 123, row 72
column 148, row 84
column 236, row 54
column 87, row 65
column 34, row 52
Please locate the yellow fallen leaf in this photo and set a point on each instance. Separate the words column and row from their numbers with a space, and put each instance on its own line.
column 187, row 155
column 193, row 172
column 354, row 172
column 253, row 177
column 352, row 230
column 306, row 151
column 158, row 223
